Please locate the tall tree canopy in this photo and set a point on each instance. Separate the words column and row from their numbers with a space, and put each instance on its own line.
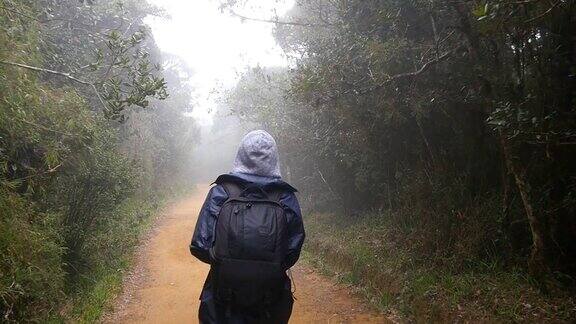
column 442, row 108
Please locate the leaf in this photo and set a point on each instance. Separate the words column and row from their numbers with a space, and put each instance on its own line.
column 480, row 11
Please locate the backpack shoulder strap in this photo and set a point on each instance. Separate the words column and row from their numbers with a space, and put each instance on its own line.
column 232, row 189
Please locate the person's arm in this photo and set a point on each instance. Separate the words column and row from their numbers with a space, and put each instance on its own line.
column 295, row 229
column 203, row 238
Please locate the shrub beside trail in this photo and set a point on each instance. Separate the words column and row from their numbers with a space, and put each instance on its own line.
column 398, row 274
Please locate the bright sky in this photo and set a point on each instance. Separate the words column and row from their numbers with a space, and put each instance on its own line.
column 216, row 45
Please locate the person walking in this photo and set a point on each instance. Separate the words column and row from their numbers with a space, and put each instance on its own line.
column 250, row 231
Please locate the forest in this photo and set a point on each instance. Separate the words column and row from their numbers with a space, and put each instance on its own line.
column 93, row 135
column 439, row 138
column 433, row 144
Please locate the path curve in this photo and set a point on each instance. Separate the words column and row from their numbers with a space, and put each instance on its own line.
column 166, row 280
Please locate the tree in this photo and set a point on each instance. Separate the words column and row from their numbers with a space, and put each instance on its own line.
column 409, row 97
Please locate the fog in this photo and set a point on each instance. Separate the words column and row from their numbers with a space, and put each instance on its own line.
column 218, row 47
column 432, row 145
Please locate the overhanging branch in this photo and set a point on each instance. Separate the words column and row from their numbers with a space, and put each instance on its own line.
column 62, row 74
column 424, row 67
column 398, row 77
column 279, row 22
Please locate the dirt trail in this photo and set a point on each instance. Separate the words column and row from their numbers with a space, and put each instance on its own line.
column 166, row 281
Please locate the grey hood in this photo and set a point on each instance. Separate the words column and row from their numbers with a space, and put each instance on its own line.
column 257, row 155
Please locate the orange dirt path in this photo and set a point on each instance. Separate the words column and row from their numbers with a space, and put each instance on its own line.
column 166, row 281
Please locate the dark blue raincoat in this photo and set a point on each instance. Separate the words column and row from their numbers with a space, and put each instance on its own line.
column 203, row 240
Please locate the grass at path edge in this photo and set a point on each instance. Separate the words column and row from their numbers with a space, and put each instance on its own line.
column 364, row 254
column 97, row 290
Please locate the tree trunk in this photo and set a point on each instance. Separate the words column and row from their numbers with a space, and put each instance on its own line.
column 537, row 262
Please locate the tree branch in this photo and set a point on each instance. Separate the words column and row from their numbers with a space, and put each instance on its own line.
column 396, row 77
column 46, row 128
column 544, row 13
column 424, row 67
column 51, row 170
column 43, row 21
column 278, row 22
column 37, row 69
column 20, row 13
column 62, row 74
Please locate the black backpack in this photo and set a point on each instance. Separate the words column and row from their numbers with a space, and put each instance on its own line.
column 250, row 247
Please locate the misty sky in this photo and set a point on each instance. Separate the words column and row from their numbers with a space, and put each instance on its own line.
column 215, row 45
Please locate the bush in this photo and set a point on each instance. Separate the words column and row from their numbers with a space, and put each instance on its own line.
column 77, row 186
column 31, row 269
column 396, row 272
column 90, row 194
column 107, row 254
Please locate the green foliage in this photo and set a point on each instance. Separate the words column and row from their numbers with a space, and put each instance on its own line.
column 110, row 250
column 129, row 79
column 394, row 272
column 458, row 114
column 90, row 194
column 104, row 48
column 31, row 279
column 78, row 181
